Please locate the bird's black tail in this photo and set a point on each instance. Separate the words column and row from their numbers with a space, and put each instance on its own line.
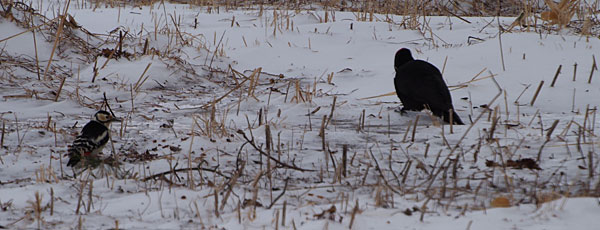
column 74, row 157
column 455, row 118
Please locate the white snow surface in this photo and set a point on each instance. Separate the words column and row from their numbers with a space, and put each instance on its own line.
column 360, row 55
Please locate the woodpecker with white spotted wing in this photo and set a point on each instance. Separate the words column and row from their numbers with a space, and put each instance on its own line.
column 94, row 136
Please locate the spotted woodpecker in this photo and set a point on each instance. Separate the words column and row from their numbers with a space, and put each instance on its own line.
column 94, row 136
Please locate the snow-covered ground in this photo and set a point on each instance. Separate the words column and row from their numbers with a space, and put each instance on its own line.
column 217, row 88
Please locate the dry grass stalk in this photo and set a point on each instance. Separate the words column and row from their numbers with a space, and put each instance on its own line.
column 590, row 166
column 414, row 130
column 575, row 71
column 231, row 184
column 37, row 61
column 252, row 212
column 424, row 209
column 283, row 213
column 29, row 30
column 451, row 112
column 91, row 188
column 62, row 83
column 493, row 126
column 80, row 195
column 405, row 171
column 332, row 109
column 57, row 38
column 355, row 211
column 444, row 66
column 37, row 208
column 500, row 42
column 560, row 13
column 190, row 175
column 555, row 76
column 51, row 201
column 330, row 78
column 2, row 137
column 141, row 79
column 407, row 130
column 344, row 159
column 551, row 130
column 594, row 67
column 537, row 91
column 216, row 194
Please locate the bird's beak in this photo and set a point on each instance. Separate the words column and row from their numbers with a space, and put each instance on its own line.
column 115, row 119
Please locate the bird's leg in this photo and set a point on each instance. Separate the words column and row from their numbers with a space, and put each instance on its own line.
column 74, row 173
column 403, row 111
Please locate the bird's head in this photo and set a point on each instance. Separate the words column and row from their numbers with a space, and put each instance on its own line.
column 402, row 56
column 105, row 117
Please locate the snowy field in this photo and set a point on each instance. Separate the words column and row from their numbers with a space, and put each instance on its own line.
column 275, row 118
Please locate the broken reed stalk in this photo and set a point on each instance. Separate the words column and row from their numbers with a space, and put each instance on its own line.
column 407, row 130
column 2, row 137
column 37, row 208
column 140, row 82
column 537, row 91
column 500, row 41
column 80, row 196
column 51, row 201
column 493, row 127
column 62, row 83
column 424, row 209
column 37, row 60
column 231, row 184
column 574, row 71
column 354, row 212
column 521, row 94
column 112, row 52
column 332, row 109
column 555, row 76
column 412, row 139
column 344, row 159
column 190, row 175
column 95, row 69
column 216, row 194
column 451, row 113
column 594, row 67
column 30, row 29
column 91, row 188
column 590, row 166
column 283, row 213
column 444, row 66
column 405, row 171
column 280, row 195
column 216, row 49
column 549, row 133
column 57, row 38
column 235, row 88
column 277, row 215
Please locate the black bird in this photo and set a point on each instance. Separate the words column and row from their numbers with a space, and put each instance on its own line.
column 419, row 85
column 94, row 136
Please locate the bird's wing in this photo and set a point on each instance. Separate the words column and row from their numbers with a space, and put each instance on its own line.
column 426, row 86
column 94, row 131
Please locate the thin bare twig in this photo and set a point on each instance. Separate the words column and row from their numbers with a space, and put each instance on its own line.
column 251, row 142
